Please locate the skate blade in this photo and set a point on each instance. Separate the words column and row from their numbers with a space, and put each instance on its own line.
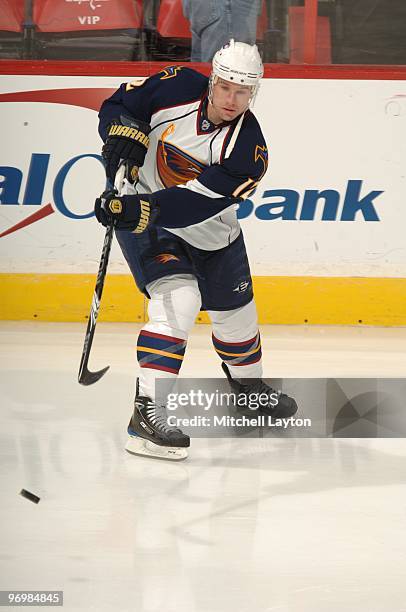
column 139, row 446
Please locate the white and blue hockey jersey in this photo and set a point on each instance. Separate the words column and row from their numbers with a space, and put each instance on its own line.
column 189, row 158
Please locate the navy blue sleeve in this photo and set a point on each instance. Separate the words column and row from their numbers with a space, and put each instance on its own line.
column 171, row 86
column 180, row 207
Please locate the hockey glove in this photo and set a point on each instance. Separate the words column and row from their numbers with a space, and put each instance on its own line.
column 129, row 212
column 126, row 139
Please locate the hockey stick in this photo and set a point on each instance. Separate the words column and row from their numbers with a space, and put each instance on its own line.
column 86, row 377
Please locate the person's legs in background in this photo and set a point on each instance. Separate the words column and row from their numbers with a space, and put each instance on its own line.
column 214, row 22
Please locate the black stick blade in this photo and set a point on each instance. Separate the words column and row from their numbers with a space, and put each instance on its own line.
column 87, row 378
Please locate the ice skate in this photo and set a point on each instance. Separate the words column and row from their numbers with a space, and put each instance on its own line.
column 151, row 436
column 285, row 407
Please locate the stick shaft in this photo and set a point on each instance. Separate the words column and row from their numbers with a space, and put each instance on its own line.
column 85, row 376
column 97, row 295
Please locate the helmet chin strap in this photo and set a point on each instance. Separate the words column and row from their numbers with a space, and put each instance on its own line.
column 212, row 81
column 210, row 105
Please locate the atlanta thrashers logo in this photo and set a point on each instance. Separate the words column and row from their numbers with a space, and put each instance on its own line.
column 165, row 257
column 175, row 166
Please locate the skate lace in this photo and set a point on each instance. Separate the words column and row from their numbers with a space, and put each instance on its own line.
column 156, row 413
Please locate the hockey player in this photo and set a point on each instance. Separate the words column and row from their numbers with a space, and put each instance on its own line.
column 196, row 150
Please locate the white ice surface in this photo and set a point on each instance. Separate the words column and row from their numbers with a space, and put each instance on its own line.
column 253, row 525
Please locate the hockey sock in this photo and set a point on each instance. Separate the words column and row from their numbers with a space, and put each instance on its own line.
column 174, row 304
column 160, row 357
column 237, row 341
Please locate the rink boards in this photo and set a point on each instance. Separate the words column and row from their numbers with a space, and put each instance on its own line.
column 324, row 230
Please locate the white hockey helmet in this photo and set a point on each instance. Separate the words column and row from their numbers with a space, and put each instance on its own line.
column 240, row 63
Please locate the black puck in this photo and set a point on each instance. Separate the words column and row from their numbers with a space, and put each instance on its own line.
column 34, row 498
